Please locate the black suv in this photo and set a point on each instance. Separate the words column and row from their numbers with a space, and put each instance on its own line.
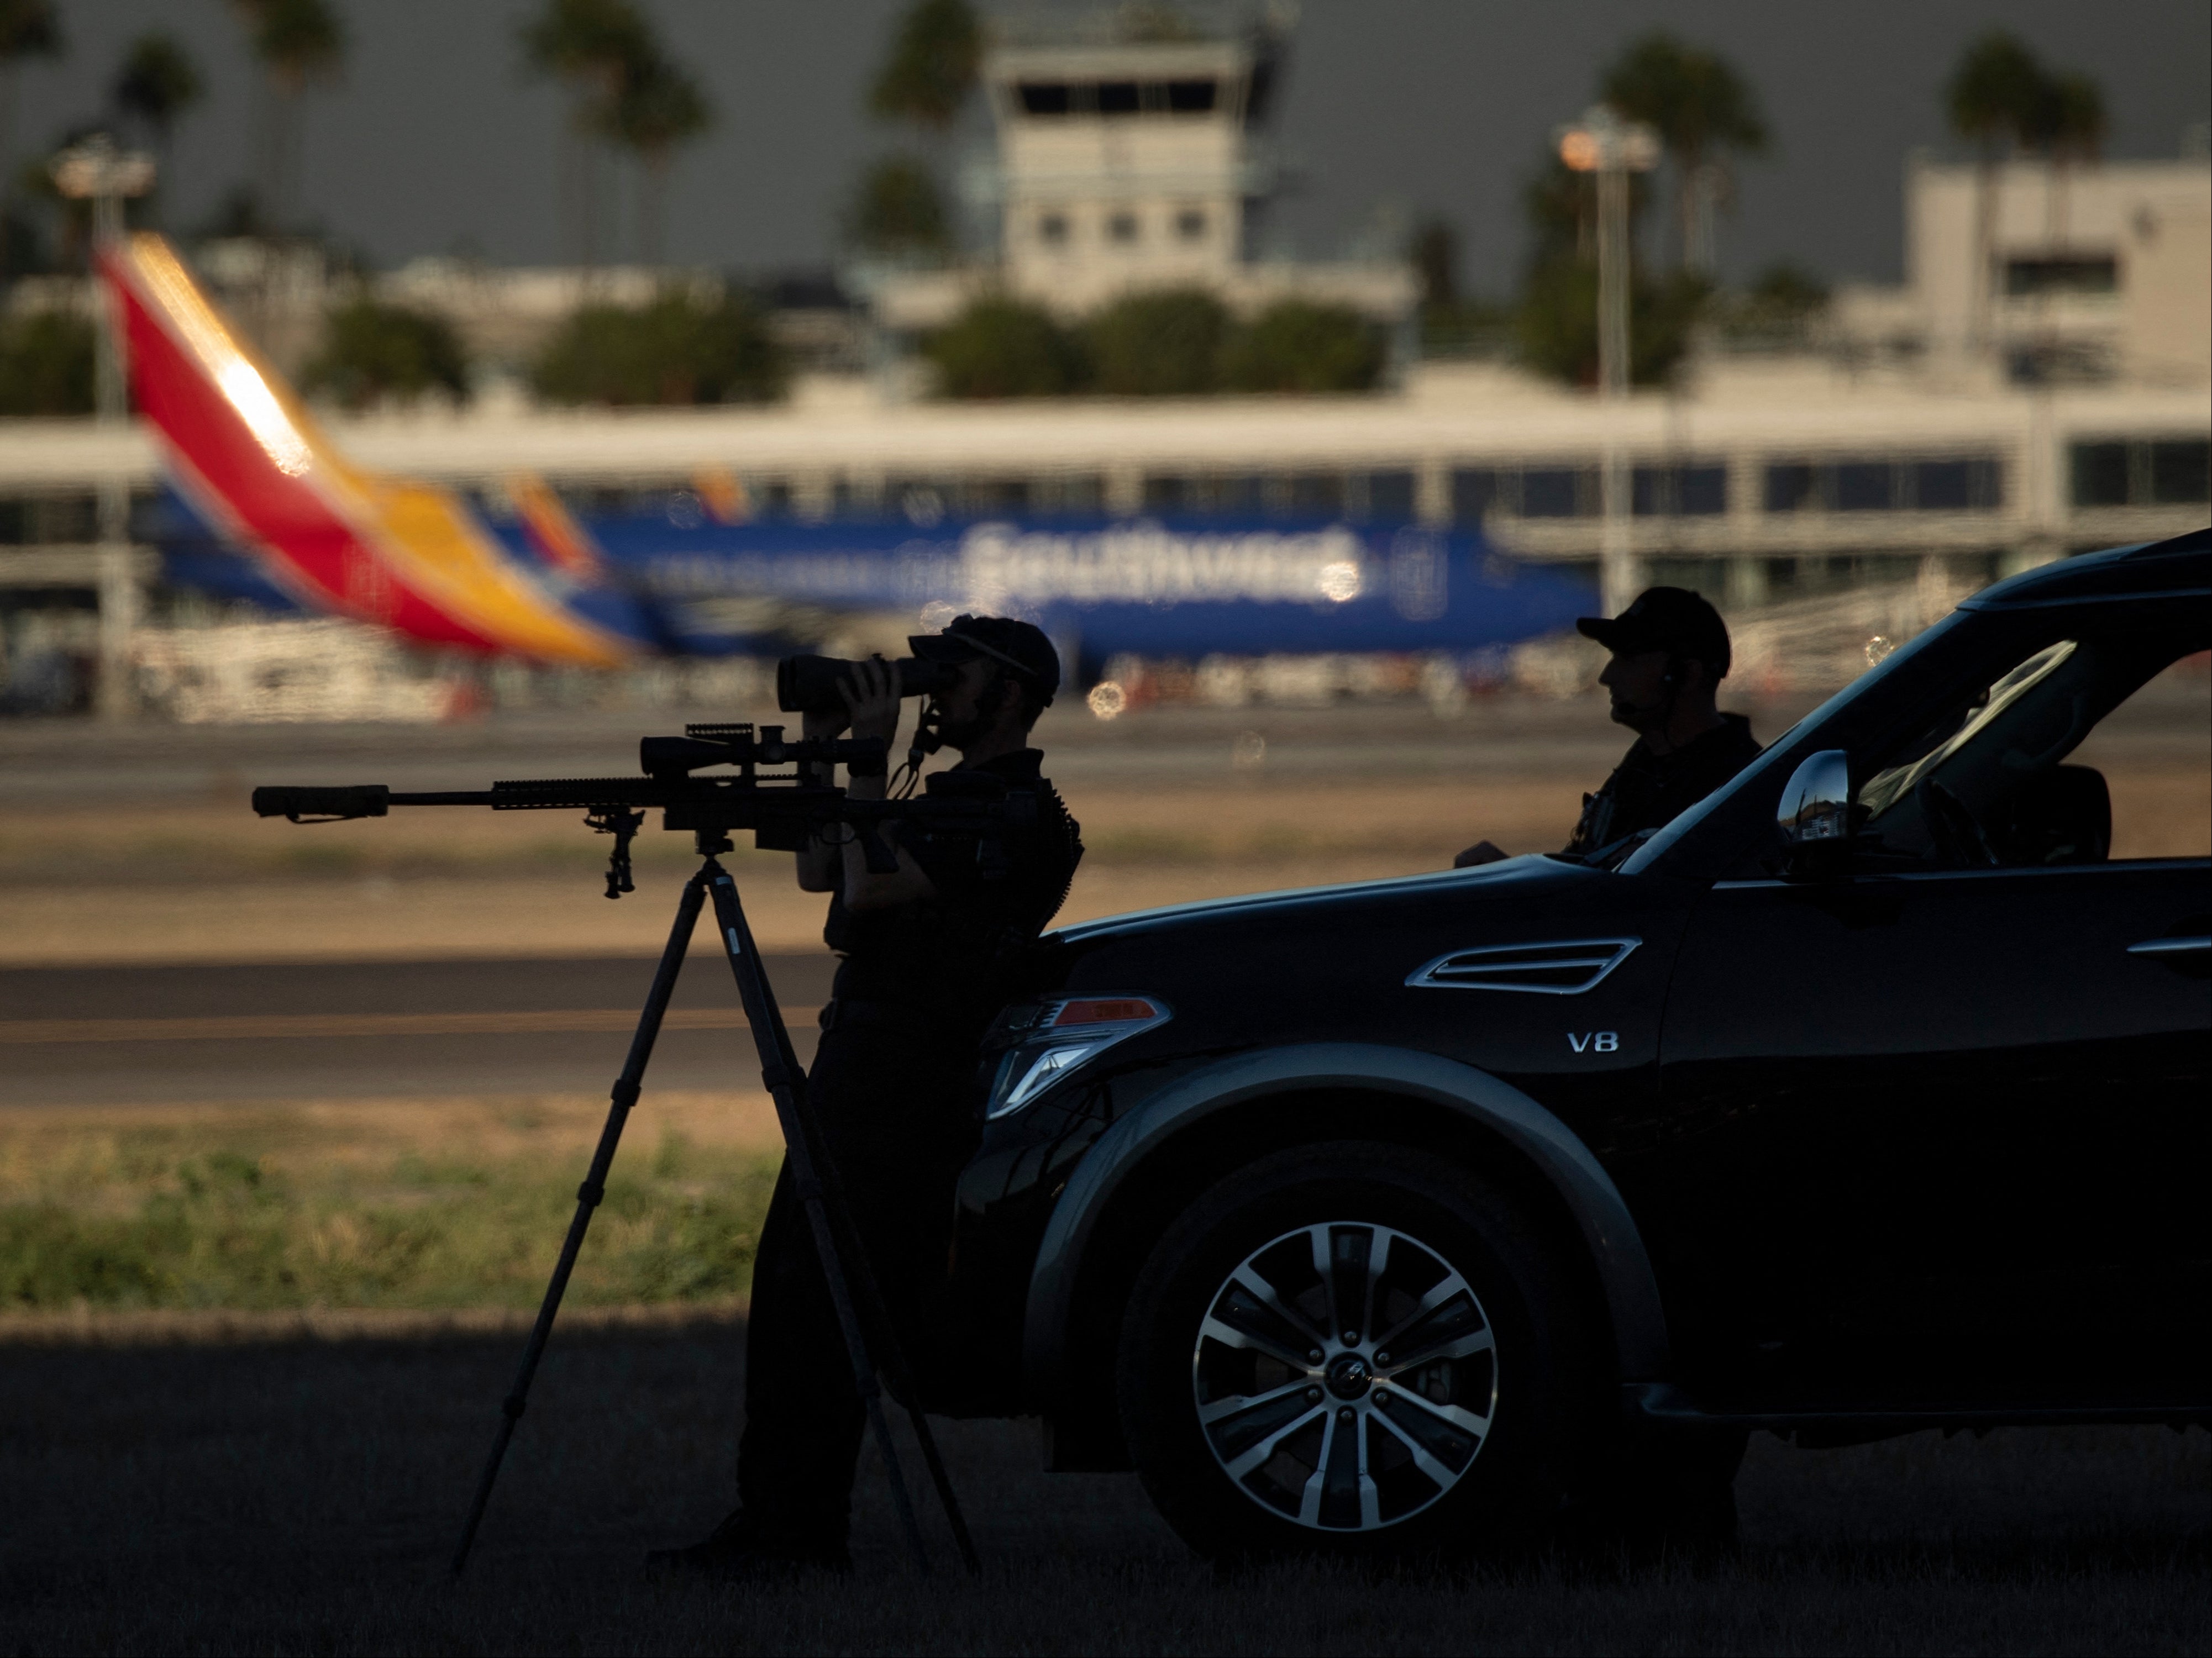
column 1869, row 1095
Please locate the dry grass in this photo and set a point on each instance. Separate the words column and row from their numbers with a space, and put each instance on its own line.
column 302, row 1496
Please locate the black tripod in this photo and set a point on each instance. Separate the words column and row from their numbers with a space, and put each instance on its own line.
column 869, row 1336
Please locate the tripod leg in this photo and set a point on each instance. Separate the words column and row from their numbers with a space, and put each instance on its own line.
column 625, row 1093
column 782, row 1081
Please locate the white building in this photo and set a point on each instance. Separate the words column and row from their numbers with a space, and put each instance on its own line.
column 2036, row 272
column 1123, row 164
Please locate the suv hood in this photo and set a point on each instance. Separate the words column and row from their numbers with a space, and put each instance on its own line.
column 1519, row 878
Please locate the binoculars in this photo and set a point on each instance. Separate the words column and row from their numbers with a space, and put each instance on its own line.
column 809, row 684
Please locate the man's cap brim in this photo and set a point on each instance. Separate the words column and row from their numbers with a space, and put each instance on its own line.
column 1606, row 630
column 942, row 647
column 959, row 647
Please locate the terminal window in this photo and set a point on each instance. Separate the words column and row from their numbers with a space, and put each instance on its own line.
column 1865, row 486
column 1052, row 230
column 1390, row 497
column 1190, row 224
column 1558, row 492
column 1472, row 490
column 1191, row 97
column 1672, row 491
column 1122, row 228
column 1956, row 486
column 1526, row 492
column 1315, row 495
column 1961, row 483
column 2142, row 472
column 1212, row 494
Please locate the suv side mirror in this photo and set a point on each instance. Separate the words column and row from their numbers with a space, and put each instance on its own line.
column 1815, row 816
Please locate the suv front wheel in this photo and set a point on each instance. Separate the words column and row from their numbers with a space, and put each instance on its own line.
column 1353, row 1348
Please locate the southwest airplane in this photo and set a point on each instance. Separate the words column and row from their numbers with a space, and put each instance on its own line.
column 263, row 505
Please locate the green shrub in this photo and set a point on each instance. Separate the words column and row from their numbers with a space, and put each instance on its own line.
column 1297, row 345
column 373, row 351
column 676, row 351
column 1164, row 344
column 46, row 364
column 1001, row 348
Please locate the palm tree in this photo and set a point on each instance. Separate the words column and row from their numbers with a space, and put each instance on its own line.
column 28, row 28
column 1993, row 95
column 1701, row 108
column 932, row 66
column 298, row 42
column 2071, row 128
column 592, row 47
column 660, row 107
column 899, row 206
column 157, row 83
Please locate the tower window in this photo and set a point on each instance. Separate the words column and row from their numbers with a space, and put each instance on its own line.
column 1122, row 228
column 1190, row 224
column 1118, row 98
column 1190, row 97
column 1045, row 97
column 2062, row 274
column 1052, row 230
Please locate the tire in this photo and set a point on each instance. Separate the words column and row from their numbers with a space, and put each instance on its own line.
column 1467, row 1443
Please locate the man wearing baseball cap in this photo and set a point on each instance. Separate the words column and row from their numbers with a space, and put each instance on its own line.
column 926, row 951
column 1670, row 652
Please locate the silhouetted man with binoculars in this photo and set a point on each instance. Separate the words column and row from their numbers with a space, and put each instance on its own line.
column 925, row 954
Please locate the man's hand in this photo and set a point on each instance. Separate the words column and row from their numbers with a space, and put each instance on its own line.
column 871, row 700
column 1480, row 852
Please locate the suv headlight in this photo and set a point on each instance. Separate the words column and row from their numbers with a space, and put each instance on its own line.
column 1045, row 1041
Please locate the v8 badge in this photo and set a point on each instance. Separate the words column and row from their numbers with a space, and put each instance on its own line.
column 1594, row 1042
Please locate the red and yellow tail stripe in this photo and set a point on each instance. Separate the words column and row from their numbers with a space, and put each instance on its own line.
column 552, row 528
column 396, row 551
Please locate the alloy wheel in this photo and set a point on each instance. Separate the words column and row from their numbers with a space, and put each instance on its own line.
column 1346, row 1376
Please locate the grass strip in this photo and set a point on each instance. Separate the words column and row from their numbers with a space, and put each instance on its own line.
column 266, row 1211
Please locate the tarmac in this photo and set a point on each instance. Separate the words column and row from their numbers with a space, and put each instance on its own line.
column 120, row 987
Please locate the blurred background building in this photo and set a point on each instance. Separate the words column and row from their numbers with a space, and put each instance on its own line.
column 1086, row 316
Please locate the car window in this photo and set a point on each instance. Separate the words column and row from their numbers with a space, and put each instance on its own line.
column 1990, row 718
column 2014, row 774
column 2155, row 752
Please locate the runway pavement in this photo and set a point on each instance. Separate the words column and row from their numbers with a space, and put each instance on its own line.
column 201, row 1034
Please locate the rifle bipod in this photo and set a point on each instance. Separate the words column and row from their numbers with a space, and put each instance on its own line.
column 870, row 1340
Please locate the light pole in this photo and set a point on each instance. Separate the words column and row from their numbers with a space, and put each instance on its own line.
column 96, row 170
column 1602, row 142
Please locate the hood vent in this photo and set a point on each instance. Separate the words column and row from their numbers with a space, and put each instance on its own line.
column 1566, row 968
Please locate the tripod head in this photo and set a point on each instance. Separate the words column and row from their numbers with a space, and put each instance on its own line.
column 784, row 810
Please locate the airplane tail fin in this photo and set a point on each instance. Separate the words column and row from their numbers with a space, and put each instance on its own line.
column 400, row 552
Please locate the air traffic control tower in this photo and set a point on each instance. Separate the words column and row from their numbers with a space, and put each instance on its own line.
column 1131, row 158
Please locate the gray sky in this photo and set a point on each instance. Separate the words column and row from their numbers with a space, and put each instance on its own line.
column 434, row 141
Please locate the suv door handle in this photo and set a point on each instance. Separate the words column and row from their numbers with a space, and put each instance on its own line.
column 2172, row 947
column 2191, row 957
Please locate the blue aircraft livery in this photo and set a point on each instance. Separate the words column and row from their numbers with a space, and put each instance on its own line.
column 1148, row 587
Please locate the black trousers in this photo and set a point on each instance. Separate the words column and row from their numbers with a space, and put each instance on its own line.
column 893, row 1106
